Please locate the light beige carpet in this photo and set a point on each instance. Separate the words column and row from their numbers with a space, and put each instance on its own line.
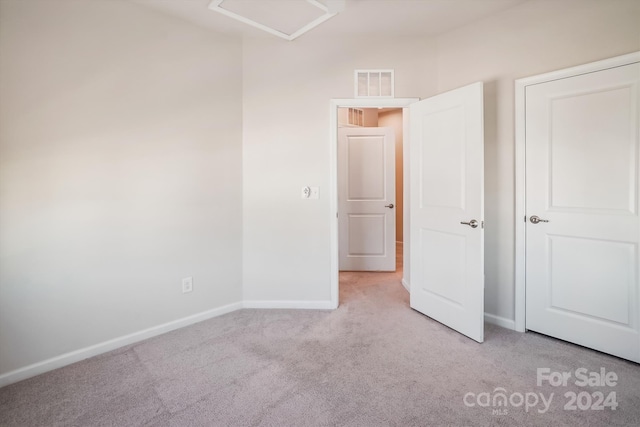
column 372, row 362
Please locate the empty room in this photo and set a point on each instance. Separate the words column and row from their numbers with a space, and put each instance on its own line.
column 319, row 212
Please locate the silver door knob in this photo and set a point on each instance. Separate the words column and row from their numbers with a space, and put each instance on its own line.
column 390, row 206
column 535, row 219
column 473, row 223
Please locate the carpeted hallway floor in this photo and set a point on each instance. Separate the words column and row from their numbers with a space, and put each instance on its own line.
column 372, row 362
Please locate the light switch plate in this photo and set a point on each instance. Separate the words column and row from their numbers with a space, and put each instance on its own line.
column 315, row 193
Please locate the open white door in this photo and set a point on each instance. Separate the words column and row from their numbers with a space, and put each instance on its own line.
column 366, row 198
column 447, row 209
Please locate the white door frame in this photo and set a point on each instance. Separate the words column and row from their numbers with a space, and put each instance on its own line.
column 520, row 212
column 333, row 180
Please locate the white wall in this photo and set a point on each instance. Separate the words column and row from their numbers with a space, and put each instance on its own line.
column 286, row 239
column 285, row 147
column 370, row 117
column 120, row 173
column 533, row 38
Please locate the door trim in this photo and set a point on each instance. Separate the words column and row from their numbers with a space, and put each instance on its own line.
column 520, row 166
column 333, row 179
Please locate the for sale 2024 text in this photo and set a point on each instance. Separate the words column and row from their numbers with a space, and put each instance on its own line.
column 599, row 399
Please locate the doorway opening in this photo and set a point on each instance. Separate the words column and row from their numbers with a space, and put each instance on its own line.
column 384, row 112
column 370, row 198
column 443, row 237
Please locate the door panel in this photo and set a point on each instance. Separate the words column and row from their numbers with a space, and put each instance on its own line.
column 443, row 280
column 447, row 188
column 366, row 234
column 365, row 165
column 442, row 160
column 366, row 192
column 606, row 303
column 590, row 139
column 581, row 176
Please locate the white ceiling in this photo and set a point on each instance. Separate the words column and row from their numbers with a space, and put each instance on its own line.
column 361, row 17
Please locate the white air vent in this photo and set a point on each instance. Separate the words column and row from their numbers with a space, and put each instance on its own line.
column 374, row 83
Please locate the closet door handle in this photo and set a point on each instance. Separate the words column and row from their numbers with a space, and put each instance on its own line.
column 535, row 219
column 473, row 223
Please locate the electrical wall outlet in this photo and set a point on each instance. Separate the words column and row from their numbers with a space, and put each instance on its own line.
column 187, row 285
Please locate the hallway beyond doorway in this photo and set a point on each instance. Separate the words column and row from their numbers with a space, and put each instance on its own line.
column 355, row 284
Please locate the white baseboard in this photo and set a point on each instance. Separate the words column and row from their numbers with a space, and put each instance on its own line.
column 94, row 350
column 500, row 321
column 406, row 285
column 315, row 305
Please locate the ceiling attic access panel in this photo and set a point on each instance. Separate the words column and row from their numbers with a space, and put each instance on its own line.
column 282, row 18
